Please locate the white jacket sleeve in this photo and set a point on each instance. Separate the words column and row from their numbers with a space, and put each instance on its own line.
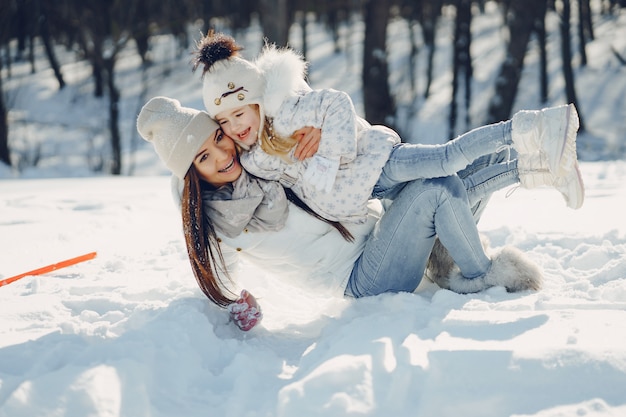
column 330, row 110
column 336, row 117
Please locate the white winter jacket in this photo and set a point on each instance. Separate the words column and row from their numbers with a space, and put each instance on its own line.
column 309, row 252
column 306, row 251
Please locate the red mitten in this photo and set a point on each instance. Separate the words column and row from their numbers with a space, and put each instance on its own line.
column 245, row 311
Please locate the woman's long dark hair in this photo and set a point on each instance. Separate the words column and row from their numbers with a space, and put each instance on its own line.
column 202, row 242
column 203, row 245
column 345, row 233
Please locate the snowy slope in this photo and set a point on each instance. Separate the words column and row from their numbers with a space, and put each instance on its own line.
column 129, row 333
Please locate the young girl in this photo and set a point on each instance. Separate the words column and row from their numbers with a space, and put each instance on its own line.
column 259, row 104
column 229, row 215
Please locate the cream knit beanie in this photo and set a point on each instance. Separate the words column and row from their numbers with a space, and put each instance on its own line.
column 176, row 132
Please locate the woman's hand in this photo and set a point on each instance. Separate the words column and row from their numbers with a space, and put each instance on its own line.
column 245, row 311
column 308, row 142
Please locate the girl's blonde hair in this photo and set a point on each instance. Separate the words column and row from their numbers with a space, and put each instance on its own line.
column 275, row 145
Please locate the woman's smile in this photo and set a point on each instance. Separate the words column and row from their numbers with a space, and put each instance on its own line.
column 229, row 167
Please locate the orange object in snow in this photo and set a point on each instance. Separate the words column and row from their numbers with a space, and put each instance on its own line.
column 50, row 268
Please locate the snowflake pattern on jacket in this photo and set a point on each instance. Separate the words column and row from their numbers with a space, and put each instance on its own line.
column 361, row 149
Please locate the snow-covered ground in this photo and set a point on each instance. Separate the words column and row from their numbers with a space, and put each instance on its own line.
column 130, row 334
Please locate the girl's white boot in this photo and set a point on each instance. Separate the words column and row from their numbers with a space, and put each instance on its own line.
column 551, row 132
column 534, row 172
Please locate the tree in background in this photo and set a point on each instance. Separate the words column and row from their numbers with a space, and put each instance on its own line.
column 5, row 154
column 431, row 10
column 585, row 29
column 44, row 10
column 566, row 55
column 379, row 106
column 274, row 21
column 540, row 31
column 5, row 36
column 103, row 30
column 461, row 63
column 521, row 21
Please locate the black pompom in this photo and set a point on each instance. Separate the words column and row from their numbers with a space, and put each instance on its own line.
column 214, row 47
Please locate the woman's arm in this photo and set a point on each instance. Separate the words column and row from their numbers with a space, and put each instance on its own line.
column 308, row 142
column 334, row 113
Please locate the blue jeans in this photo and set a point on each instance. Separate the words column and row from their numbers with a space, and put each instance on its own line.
column 396, row 254
column 487, row 175
column 409, row 162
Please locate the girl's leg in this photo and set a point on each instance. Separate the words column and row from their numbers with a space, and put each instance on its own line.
column 488, row 174
column 494, row 172
column 482, row 184
column 395, row 256
column 545, row 141
column 408, row 162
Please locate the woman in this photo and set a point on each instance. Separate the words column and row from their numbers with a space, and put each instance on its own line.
column 228, row 214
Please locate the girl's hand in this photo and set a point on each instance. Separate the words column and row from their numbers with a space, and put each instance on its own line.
column 308, row 142
column 245, row 311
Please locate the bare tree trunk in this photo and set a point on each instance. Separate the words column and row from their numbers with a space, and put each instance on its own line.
column 274, row 19
column 461, row 61
column 540, row 30
column 587, row 20
column 305, row 45
column 5, row 153
column 566, row 54
column 7, row 18
column 430, row 13
column 379, row 106
column 582, row 36
column 333, row 23
column 114, row 128
column 521, row 21
column 22, row 28
column 31, row 54
column 413, row 28
column 141, row 31
column 93, row 51
column 44, row 30
column 91, row 38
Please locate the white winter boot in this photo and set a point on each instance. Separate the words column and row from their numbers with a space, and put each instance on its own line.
column 551, row 131
column 534, row 172
column 510, row 269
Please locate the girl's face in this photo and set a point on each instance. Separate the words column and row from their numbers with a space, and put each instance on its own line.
column 241, row 123
column 216, row 161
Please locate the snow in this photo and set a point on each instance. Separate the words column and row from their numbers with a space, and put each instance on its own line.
column 130, row 334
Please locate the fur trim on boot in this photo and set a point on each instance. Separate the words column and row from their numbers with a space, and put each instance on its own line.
column 510, row 268
column 441, row 264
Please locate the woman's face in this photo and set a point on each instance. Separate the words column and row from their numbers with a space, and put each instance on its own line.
column 216, row 161
column 241, row 123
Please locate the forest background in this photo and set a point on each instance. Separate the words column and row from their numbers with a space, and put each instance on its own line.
column 100, row 32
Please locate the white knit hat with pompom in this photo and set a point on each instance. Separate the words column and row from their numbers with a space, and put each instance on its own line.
column 233, row 83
